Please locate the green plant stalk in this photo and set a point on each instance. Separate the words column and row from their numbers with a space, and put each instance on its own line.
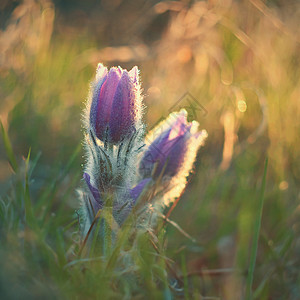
column 108, row 223
column 95, row 237
column 122, row 236
column 257, row 225
column 185, row 279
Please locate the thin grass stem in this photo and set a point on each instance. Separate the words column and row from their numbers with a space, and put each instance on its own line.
column 257, row 226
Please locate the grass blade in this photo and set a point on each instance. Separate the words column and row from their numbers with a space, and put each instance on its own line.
column 30, row 219
column 185, row 278
column 256, row 236
column 8, row 148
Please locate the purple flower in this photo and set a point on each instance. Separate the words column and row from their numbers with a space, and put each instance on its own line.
column 173, row 140
column 115, row 111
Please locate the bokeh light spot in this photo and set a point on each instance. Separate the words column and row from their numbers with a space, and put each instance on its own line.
column 242, row 106
column 284, row 185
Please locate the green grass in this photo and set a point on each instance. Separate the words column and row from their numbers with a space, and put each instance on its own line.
column 237, row 250
column 256, row 236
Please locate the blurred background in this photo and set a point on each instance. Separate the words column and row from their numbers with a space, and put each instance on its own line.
column 238, row 60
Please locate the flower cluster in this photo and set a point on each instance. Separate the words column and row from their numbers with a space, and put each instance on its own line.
column 127, row 171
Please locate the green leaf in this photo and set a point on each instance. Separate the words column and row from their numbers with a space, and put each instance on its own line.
column 257, row 226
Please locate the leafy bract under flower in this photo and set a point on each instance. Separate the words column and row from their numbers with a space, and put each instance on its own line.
column 121, row 209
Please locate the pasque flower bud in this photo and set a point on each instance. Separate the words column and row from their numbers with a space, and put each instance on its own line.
column 115, row 107
column 170, row 143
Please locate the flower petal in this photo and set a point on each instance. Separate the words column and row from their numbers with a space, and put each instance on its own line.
column 98, row 203
column 122, row 119
column 138, row 189
column 103, row 97
column 134, row 74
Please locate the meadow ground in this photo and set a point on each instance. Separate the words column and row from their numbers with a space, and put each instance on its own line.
column 234, row 65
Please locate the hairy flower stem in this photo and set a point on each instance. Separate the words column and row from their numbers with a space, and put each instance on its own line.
column 108, row 225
